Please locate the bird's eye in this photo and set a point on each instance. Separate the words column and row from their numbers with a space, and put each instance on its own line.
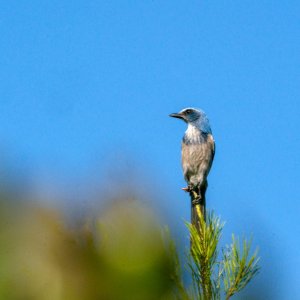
column 188, row 111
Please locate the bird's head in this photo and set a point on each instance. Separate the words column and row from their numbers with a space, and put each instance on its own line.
column 195, row 117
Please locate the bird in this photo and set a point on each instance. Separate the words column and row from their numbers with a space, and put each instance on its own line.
column 197, row 155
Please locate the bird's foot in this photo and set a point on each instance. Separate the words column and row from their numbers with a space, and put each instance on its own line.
column 196, row 200
column 188, row 189
column 196, row 195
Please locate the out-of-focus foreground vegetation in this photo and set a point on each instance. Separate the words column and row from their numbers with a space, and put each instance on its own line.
column 118, row 252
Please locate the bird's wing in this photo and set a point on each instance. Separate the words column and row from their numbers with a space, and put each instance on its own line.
column 185, row 160
column 212, row 147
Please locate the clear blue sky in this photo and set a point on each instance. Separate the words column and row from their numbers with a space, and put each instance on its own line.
column 82, row 79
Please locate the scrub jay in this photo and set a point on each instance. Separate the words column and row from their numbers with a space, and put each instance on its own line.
column 197, row 150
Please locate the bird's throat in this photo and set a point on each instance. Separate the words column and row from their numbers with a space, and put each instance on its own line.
column 193, row 135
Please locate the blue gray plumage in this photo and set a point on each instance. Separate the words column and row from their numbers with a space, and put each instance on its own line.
column 197, row 149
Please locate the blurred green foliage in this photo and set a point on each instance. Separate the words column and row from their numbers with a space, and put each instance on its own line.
column 121, row 254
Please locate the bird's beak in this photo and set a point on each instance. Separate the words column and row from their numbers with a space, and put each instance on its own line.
column 177, row 115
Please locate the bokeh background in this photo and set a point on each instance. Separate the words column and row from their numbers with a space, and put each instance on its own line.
column 85, row 92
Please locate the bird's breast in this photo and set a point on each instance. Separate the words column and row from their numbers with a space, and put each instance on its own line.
column 197, row 157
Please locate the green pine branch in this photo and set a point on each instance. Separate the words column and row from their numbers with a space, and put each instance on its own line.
column 239, row 266
column 211, row 277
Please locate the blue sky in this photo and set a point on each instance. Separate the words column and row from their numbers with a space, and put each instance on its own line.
column 81, row 80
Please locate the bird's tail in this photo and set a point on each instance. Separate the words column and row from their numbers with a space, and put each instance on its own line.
column 198, row 205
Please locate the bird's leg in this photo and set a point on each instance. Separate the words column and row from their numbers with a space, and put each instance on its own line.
column 194, row 190
column 197, row 196
column 195, row 193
